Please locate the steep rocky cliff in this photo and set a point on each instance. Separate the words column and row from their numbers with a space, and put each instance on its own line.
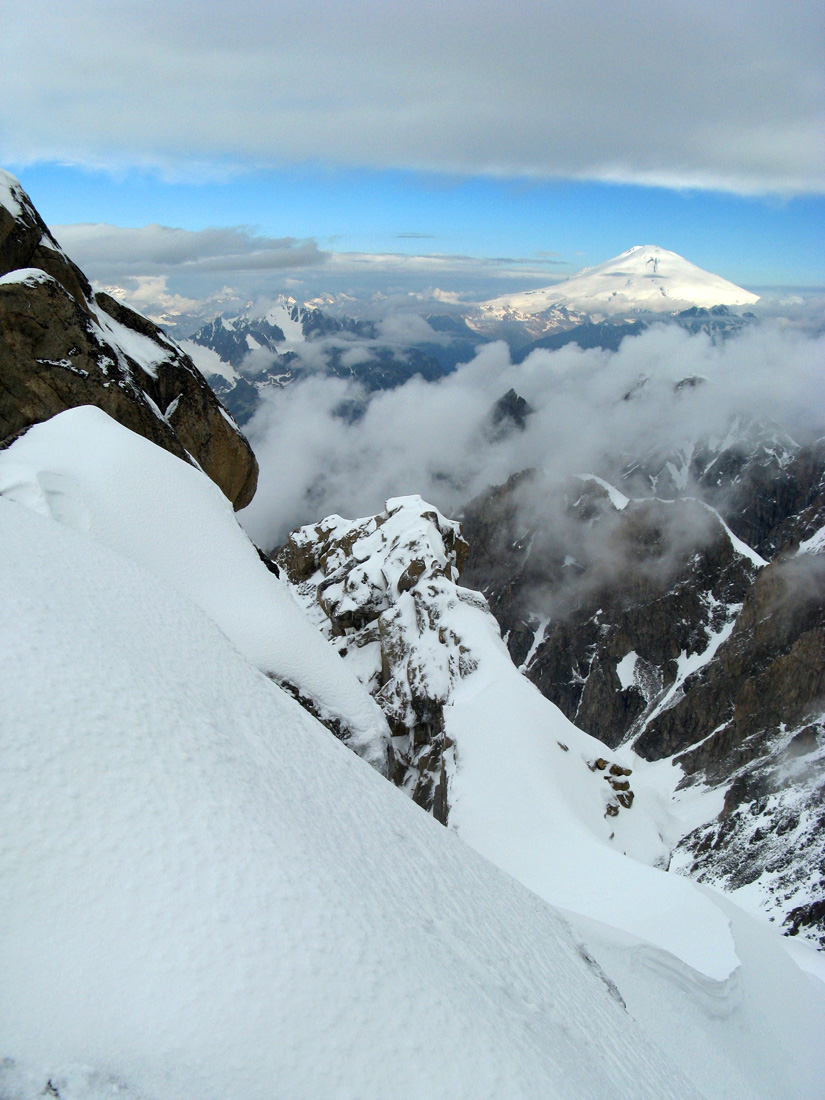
column 652, row 622
column 61, row 345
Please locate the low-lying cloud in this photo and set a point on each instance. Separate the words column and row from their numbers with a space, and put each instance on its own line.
column 594, row 411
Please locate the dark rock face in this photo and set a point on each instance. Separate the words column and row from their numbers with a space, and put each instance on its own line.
column 717, row 322
column 649, row 623
column 769, row 673
column 598, row 585
column 53, row 358
column 770, row 835
column 589, row 334
column 26, row 242
column 769, row 490
column 509, row 413
column 778, row 504
column 61, row 346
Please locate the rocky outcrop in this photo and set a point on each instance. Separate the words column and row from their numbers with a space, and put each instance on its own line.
column 511, row 412
column 62, row 346
column 381, row 590
column 25, row 242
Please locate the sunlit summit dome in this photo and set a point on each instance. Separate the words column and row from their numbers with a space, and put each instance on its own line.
column 645, row 278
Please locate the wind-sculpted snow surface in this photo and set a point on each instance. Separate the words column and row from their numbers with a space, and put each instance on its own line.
column 206, row 895
column 85, row 470
column 480, row 746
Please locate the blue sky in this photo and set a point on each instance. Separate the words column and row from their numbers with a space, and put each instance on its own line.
column 464, row 144
column 558, row 226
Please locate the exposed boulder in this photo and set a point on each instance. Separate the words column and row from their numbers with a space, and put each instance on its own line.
column 62, row 346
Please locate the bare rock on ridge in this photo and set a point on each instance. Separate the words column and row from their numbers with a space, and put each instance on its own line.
column 63, row 346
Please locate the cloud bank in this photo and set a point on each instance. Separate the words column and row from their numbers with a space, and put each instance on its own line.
column 166, row 271
column 434, row 438
column 114, row 252
column 708, row 95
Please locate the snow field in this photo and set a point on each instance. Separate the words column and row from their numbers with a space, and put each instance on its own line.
column 207, row 895
column 90, row 473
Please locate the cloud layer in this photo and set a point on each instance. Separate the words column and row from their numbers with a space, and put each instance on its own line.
column 704, row 94
column 434, row 438
column 166, row 271
column 114, row 252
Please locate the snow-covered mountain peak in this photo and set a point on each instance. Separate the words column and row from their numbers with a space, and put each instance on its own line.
column 646, row 278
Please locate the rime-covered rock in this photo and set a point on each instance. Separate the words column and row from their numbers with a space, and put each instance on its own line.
column 382, row 589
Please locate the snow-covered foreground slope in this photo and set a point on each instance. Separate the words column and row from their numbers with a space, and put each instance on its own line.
column 645, row 278
column 88, row 472
column 206, row 895
column 523, row 785
column 527, row 789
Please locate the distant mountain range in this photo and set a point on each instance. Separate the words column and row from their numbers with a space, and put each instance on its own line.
column 244, row 355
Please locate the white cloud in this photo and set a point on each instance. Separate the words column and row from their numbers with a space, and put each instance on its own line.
column 430, row 438
column 703, row 94
column 112, row 251
column 168, row 272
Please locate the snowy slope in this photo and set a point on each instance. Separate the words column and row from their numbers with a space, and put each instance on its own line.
column 528, row 789
column 11, row 194
column 208, row 362
column 523, row 785
column 205, row 895
column 645, row 278
column 90, row 473
column 287, row 316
